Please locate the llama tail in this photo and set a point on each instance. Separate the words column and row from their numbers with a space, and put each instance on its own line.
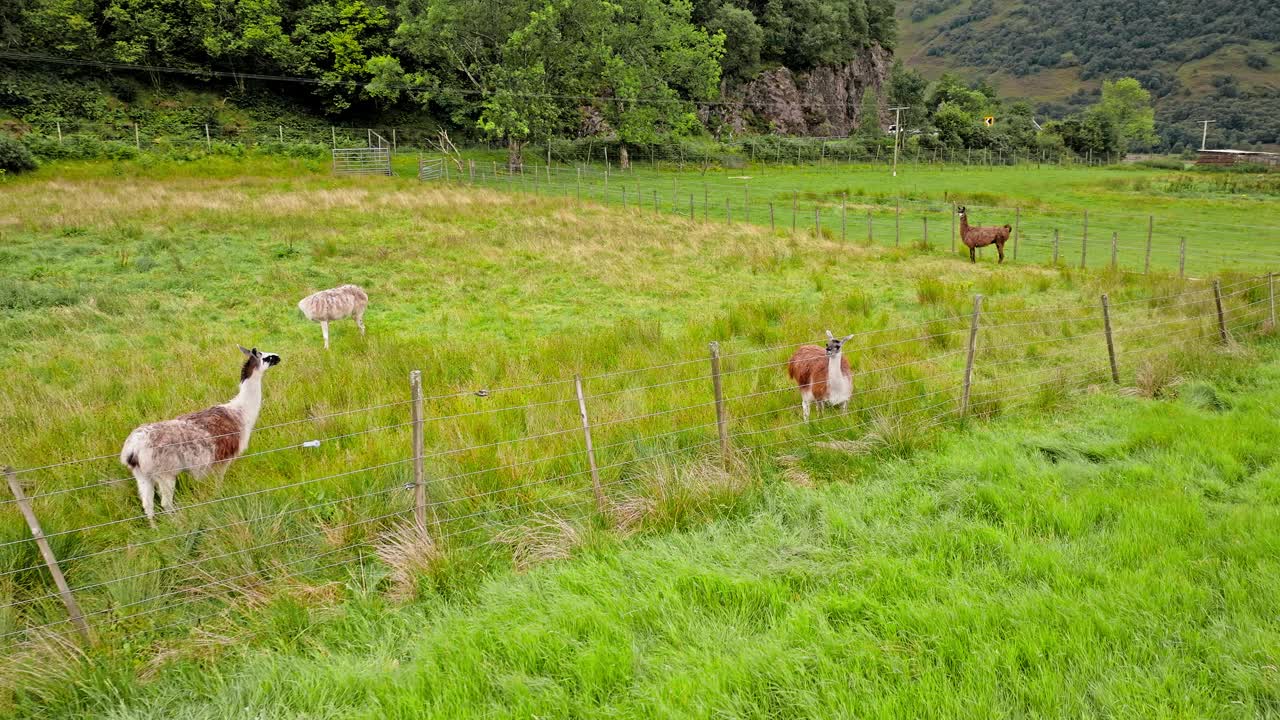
column 129, row 453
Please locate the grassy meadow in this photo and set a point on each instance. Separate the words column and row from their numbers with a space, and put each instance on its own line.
column 887, row 560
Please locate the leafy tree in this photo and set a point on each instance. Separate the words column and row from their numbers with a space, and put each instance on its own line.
column 743, row 40
column 1126, row 105
column 869, row 115
column 907, row 88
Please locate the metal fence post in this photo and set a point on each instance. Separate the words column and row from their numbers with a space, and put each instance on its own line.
column 50, row 560
column 1111, row 347
column 722, row 423
column 1222, row 319
column 591, row 452
column 968, row 363
column 419, row 477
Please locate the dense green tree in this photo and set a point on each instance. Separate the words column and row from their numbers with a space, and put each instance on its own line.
column 1126, row 105
column 743, row 40
column 907, row 88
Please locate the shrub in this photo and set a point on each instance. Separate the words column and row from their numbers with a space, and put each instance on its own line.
column 14, row 156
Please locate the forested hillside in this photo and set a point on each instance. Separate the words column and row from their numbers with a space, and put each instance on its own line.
column 1205, row 60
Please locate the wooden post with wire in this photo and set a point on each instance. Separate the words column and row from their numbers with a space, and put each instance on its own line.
column 1151, row 227
column 1111, row 347
column 897, row 222
column 1271, row 295
column 1055, row 247
column 591, row 452
column 772, row 226
column 1182, row 257
column 1017, row 226
column 1084, row 240
column 953, row 228
column 722, row 421
column 50, row 560
column 1115, row 249
column 419, row 477
column 1222, row 318
column 968, row 363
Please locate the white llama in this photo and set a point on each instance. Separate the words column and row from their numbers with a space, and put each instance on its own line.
column 335, row 304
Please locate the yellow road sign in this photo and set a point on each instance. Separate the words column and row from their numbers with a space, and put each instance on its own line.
column 989, row 120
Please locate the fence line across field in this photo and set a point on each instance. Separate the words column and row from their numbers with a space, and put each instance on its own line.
column 1257, row 292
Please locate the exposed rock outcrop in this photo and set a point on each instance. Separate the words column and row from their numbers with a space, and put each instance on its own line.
column 824, row 101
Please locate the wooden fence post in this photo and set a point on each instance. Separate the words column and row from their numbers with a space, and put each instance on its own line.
column 137, row 137
column 1182, row 257
column 870, row 232
column 722, row 423
column 844, row 231
column 1271, row 294
column 772, row 227
column 705, row 202
column 693, row 208
column 817, row 221
column 968, row 363
column 1055, row 247
column 1115, row 248
column 925, row 219
column 727, row 218
column 1222, row 318
column 59, row 124
column 794, row 202
column 1146, row 263
column 579, row 186
column 419, row 478
column 1084, row 240
column 50, row 561
column 1017, row 226
column 1111, row 348
column 655, row 202
column 208, row 142
column 591, row 452
column 897, row 222
column 953, row 228
column 333, row 136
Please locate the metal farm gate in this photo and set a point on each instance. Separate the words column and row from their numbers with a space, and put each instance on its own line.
column 372, row 160
column 430, row 168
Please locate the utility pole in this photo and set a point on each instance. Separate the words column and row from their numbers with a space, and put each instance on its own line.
column 1205, row 135
column 897, row 133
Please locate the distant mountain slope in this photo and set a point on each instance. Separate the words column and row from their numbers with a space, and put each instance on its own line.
column 1215, row 59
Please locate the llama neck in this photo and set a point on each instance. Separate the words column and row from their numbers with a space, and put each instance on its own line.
column 964, row 224
column 837, row 386
column 248, row 403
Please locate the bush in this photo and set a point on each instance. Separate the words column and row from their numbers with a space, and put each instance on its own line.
column 14, row 156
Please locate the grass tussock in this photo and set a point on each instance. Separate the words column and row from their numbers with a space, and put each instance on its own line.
column 669, row 493
column 543, row 538
column 410, row 552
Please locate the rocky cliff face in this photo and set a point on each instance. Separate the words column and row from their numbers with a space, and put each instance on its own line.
column 824, row 101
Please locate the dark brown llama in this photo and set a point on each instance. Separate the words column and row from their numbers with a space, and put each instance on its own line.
column 976, row 237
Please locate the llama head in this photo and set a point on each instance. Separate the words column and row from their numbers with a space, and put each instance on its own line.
column 256, row 362
column 835, row 344
column 960, row 210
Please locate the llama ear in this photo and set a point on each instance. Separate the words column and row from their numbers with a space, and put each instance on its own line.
column 830, row 336
column 846, row 338
column 244, row 350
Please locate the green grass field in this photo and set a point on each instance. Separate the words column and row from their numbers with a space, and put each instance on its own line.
column 1070, row 549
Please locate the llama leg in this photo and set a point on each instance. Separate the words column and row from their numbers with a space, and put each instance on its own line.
column 166, row 484
column 324, row 329
column 973, row 255
column 806, row 399
column 360, row 322
column 1000, row 249
column 147, row 494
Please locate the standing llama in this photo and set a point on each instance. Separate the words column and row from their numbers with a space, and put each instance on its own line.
column 823, row 374
column 201, row 442
column 976, row 237
column 335, row 304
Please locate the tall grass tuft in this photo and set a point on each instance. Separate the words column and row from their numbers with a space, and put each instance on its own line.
column 410, row 552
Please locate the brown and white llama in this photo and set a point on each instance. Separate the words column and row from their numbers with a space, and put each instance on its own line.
column 976, row 237
column 823, row 374
column 335, row 304
column 200, row 443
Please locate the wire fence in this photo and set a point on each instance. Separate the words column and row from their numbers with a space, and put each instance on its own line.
column 759, row 151
column 481, row 471
column 1119, row 241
